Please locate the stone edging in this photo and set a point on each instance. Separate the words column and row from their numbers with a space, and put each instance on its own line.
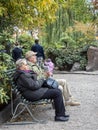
column 77, row 72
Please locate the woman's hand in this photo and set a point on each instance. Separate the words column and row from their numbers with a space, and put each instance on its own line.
column 47, row 74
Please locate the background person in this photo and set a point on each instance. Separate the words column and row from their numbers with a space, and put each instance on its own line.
column 40, row 51
column 48, row 63
column 17, row 52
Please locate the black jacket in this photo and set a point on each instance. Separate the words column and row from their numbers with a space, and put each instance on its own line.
column 17, row 53
column 29, row 86
column 39, row 49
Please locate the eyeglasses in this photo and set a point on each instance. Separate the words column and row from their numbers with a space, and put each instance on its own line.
column 25, row 64
column 33, row 55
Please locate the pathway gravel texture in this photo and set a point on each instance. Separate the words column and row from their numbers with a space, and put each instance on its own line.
column 84, row 88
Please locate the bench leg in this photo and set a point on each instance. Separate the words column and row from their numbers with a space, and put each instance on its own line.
column 25, row 106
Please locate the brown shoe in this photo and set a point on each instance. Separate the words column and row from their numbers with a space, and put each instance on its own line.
column 72, row 103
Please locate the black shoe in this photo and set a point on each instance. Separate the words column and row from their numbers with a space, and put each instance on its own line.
column 67, row 115
column 61, row 118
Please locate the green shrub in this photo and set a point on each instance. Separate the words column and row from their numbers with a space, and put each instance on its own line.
column 6, row 63
column 65, row 58
column 26, row 41
column 3, row 96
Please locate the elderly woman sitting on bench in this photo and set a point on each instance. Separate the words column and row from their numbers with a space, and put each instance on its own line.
column 34, row 90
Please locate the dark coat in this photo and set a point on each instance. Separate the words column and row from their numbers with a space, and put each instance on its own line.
column 17, row 53
column 39, row 49
column 29, row 86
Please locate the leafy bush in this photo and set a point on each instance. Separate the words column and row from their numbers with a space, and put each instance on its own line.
column 6, row 62
column 26, row 41
column 67, row 41
column 52, row 52
column 3, row 96
column 65, row 58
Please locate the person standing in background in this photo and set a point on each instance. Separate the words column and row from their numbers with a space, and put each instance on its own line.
column 48, row 63
column 39, row 50
column 17, row 52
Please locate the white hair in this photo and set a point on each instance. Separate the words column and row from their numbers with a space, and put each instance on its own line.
column 20, row 62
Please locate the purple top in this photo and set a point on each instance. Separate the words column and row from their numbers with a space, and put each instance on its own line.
column 50, row 65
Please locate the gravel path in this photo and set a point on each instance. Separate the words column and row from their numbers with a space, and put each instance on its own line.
column 83, row 117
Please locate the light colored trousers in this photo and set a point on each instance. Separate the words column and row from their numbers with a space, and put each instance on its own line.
column 64, row 88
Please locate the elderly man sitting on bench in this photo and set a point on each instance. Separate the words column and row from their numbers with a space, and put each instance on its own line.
column 32, row 62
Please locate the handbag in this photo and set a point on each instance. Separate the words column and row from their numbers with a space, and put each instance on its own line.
column 51, row 83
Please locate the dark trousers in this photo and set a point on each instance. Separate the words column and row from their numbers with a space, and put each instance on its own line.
column 56, row 95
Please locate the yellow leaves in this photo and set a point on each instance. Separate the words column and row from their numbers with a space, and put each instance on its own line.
column 46, row 10
column 30, row 11
column 80, row 26
column 85, row 28
column 45, row 3
column 3, row 96
column 2, row 10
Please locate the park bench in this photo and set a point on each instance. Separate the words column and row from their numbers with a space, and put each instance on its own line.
column 15, row 109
